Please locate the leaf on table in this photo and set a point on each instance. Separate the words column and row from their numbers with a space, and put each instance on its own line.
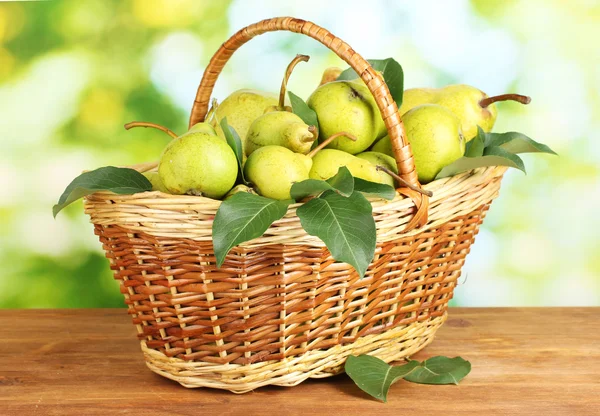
column 439, row 370
column 344, row 224
column 342, row 182
column 515, row 142
column 374, row 189
column 492, row 156
column 241, row 218
column 302, row 110
column 123, row 181
column 392, row 73
column 233, row 140
column 375, row 376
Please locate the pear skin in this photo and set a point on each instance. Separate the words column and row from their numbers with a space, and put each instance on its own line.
column 347, row 106
column 380, row 159
column 154, row 179
column 241, row 108
column 435, row 137
column 279, row 128
column 273, row 170
column 203, row 128
column 198, row 164
column 462, row 100
column 327, row 162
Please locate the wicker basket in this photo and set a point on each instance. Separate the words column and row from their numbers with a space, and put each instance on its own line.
column 280, row 309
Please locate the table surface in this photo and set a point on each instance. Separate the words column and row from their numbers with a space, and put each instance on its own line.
column 526, row 361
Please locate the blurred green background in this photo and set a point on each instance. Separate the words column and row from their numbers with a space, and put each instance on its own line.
column 73, row 72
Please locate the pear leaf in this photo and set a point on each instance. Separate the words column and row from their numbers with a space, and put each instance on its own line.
column 375, row 376
column 241, row 218
column 392, row 74
column 474, row 148
column 302, row 110
column 122, row 181
column 515, row 142
column 439, row 370
column 344, row 224
column 342, row 183
column 492, row 156
column 233, row 140
column 374, row 189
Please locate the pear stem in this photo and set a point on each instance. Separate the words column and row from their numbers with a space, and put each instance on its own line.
column 288, row 73
column 329, row 140
column 523, row 99
column 403, row 182
column 314, row 132
column 152, row 125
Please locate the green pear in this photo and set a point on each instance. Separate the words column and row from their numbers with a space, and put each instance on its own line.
column 384, row 146
column 327, row 162
column 274, row 169
column 280, row 128
column 198, row 164
column 462, row 100
column 240, row 188
column 241, row 108
column 203, row 128
column 154, row 179
column 380, row 159
column 330, row 74
column 347, row 106
column 435, row 137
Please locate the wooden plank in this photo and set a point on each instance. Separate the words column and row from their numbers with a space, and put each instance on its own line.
column 526, row 361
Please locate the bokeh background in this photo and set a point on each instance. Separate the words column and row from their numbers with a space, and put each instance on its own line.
column 73, row 72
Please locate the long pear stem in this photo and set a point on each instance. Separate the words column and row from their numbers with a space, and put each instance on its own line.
column 152, row 125
column 329, row 140
column 288, row 73
column 523, row 99
column 403, row 182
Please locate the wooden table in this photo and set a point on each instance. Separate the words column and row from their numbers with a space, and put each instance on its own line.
column 526, row 361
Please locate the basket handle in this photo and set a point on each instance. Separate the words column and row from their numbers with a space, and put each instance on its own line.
column 373, row 80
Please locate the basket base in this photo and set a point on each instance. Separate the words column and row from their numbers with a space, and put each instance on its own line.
column 391, row 345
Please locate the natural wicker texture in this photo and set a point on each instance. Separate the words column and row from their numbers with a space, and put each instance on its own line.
column 280, row 309
column 281, row 302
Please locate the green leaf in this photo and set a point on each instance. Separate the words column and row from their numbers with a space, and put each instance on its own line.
column 374, row 189
column 233, row 140
column 474, row 148
column 392, row 75
column 439, row 370
column 241, row 218
column 342, row 182
column 375, row 376
column 516, row 143
column 302, row 110
column 121, row 181
column 344, row 224
column 492, row 156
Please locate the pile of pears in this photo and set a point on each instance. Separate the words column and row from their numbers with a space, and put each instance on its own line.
column 280, row 149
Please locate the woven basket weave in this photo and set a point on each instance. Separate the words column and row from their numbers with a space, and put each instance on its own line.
column 280, row 309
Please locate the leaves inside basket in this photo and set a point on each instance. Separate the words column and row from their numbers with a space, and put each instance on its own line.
column 233, row 140
column 344, row 224
column 392, row 74
column 375, row 377
column 241, row 218
column 342, row 182
column 374, row 189
column 494, row 149
column 121, row 181
column 302, row 110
